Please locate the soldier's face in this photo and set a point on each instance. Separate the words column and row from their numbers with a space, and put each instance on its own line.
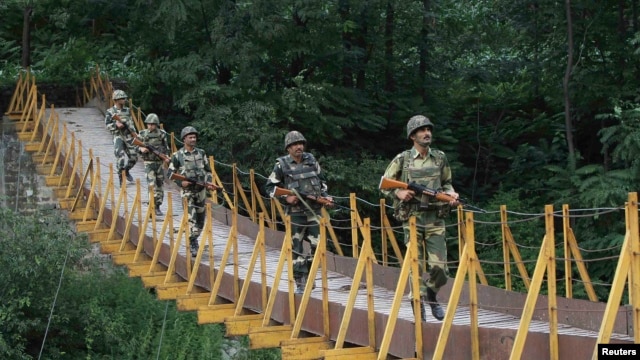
column 422, row 136
column 152, row 127
column 296, row 149
column 191, row 140
column 120, row 102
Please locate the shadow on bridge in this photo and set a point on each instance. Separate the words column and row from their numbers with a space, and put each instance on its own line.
column 242, row 274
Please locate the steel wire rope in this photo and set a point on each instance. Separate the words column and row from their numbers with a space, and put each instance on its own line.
column 55, row 297
column 164, row 321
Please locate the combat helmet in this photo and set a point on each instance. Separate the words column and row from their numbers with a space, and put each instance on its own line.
column 119, row 94
column 188, row 130
column 293, row 137
column 152, row 119
column 416, row 122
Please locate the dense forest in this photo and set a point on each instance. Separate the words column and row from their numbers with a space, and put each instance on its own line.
column 534, row 102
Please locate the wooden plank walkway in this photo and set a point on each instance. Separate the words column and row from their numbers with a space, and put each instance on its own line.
column 88, row 126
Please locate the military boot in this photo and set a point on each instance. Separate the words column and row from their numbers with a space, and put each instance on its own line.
column 120, row 178
column 436, row 310
column 129, row 177
column 158, row 211
column 194, row 247
column 300, row 284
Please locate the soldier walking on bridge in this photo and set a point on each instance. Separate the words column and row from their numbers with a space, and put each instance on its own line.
column 156, row 138
column 193, row 163
column 119, row 122
column 428, row 167
column 299, row 171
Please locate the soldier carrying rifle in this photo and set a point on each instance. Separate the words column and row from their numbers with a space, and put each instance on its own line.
column 427, row 167
column 119, row 122
column 153, row 146
column 299, row 171
column 192, row 162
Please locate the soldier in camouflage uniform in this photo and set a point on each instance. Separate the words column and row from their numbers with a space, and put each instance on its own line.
column 300, row 171
column 156, row 137
column 193, row 163
column 123, row 132
column 429, row 167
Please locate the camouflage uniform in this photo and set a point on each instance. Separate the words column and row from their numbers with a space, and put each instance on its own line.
column 434, row 172
column 194, row 164
column 153, row 164
column 126, row 156
column 305, row 177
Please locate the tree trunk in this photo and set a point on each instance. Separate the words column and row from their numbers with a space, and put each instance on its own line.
column 565, row 83
column 422, row 49
column 389, row 81
column 26, row 37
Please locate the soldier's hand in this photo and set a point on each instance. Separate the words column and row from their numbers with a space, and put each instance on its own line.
column 405, row 195
column 331, row 204
column 185, row 184
column 119, row 125
column 144, row 150
column 292, row 199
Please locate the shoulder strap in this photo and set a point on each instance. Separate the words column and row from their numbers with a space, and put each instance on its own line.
column 405, row 166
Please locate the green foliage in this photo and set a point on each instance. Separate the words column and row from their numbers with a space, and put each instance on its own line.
column 98, row 312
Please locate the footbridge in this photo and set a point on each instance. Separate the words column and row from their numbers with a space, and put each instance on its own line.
column 361, row 307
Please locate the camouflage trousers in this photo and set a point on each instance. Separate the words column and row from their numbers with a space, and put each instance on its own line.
column 196, row 209
column 155, row 179
column 304, row 227
column 126, row 156
column 432, row 249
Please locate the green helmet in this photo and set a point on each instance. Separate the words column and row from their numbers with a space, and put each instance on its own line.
column 417, row 122
column 293, row 137
column 119, row 94
column 152, row 119
column 188, row 130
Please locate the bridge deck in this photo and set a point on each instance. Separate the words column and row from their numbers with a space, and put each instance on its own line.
column 88, row 126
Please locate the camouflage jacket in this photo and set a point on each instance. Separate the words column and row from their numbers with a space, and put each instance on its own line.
column 125, row 116
column 432, row 171
column 157, row 139
column 194, row 164
column 305, row 177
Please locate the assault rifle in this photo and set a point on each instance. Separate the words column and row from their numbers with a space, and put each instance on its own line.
column 319, row 199
column 117, row 118
column 151, row 148
column 388, row 184
column 208, row 185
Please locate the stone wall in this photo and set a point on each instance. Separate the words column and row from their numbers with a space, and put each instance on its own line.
column 22, row 189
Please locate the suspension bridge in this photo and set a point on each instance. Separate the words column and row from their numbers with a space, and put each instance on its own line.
column 361, row 308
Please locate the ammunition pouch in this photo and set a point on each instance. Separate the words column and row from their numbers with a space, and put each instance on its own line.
column 402, row 210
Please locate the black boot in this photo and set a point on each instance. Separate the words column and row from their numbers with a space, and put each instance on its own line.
column 436, row 310
column 158, row 211
column 129, row 177
column 194, row 247
column 300, row 284
column 120, row 181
